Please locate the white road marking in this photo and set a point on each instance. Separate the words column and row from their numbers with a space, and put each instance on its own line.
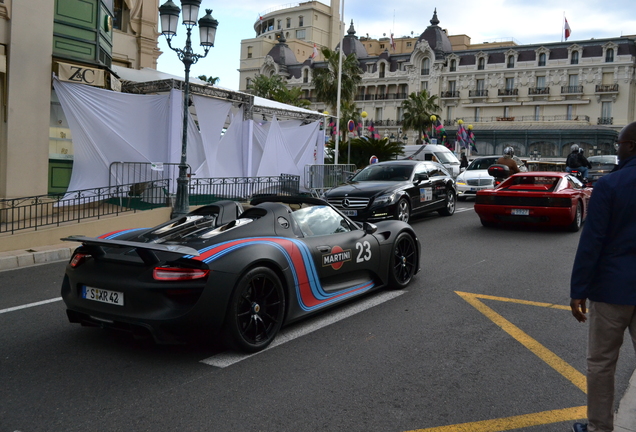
column 462, row 209
column 15, row 308
column 226, row 359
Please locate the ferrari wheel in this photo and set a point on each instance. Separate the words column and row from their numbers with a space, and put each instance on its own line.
column 578, row 219
column 403, row 261
column 403, row 211
column 256, row 310
column 451, row 200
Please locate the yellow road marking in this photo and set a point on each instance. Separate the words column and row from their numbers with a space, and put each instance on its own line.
column 516, row 422
column 554, row 361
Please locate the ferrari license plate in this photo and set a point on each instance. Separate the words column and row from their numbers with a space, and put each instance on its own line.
column 520, row 212
column 102, row 295
column 350, row 212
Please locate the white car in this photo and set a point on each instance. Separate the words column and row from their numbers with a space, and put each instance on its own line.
column 475, row 177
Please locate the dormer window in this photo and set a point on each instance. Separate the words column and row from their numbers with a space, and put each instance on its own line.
column 609, row 55
column 481, row 64
column 511, row 61
column 453, row 65
column 426, row 67
column 575, row 57
column 542, row 58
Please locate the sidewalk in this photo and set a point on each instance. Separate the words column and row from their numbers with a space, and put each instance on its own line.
column 625, row 420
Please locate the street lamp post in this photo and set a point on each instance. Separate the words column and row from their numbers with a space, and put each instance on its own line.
column 169, row 13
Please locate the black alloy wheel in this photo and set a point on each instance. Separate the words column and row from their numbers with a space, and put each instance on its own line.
column 256, row 310
column 403, row 261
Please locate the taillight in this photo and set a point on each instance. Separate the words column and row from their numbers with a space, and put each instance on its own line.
column 178, row 273
column 79, row 259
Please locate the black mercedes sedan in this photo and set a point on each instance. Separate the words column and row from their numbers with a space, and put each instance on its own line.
column 395, row 190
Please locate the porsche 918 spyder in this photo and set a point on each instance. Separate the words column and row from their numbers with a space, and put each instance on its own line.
column 241, row 273
column 535, row 198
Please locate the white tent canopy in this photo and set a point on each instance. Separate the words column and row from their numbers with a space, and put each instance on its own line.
column 109, row 127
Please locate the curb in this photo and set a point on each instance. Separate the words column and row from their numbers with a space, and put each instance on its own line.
column 40, row 255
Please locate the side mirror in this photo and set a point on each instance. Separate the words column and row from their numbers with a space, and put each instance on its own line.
column 369, row 228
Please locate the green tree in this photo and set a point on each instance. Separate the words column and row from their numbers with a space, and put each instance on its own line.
column 325, row 79
column 273, row 88
column 209, row 79
column 417, row 110
column 363, row 148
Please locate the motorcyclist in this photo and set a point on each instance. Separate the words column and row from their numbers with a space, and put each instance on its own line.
column 507, row 160
column 576, row 160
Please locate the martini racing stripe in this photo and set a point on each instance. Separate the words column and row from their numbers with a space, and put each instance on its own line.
column 309, row 291
column 111, row 235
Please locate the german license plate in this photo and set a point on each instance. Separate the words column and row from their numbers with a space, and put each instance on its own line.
column 102, row 295
column 350, row 212
column 520, row 212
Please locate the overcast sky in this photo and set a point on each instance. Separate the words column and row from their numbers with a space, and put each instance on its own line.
column 525, row 21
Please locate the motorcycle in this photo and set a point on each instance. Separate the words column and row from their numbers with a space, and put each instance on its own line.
column 579, row 175
column 499, row 172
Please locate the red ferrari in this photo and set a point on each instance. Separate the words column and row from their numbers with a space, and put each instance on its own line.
column 535, row 198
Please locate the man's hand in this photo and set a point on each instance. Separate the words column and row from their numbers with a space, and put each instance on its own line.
column 579, row 309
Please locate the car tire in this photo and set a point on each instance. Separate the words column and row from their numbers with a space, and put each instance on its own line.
column 450, row 203
column 486, row 223
column 256, row 310
column 402, row 210
column 461, row 198
column 403, row 261
column 578, row 219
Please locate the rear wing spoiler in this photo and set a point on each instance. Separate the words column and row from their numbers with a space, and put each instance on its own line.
column 145, row 250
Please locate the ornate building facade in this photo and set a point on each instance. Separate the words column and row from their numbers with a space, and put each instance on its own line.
column 78, row 40
column 538, row 98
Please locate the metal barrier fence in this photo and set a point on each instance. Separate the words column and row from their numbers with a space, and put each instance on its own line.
column 34, row 212
column 45, row 210
column 122, row 173
column 206, row 190
column 319, row 178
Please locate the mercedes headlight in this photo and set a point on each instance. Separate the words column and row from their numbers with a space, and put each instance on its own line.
column 386, row 199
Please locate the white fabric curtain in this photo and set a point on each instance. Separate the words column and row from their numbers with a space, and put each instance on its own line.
column 212, row 115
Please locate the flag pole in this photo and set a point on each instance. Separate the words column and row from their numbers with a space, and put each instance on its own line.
column 563, row 26
column 339, row 79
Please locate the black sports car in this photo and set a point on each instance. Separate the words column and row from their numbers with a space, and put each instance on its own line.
column 395, row 190
column 244, row 273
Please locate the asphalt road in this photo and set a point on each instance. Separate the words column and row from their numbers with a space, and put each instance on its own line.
column 482, row 341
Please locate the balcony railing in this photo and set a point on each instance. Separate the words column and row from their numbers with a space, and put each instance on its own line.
column 425, row 71
column 478, row 93
column 530, row 118
column 532, row 91
column 508, row 92
column 605, row 120
column 377, row 123
column 571, row 89
column 450, row 94
column 607, row 88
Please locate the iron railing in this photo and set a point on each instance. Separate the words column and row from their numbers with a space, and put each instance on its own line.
column 34, row 212
column 571, row 89
column 450, row 94
column 607, row 88
column 319, row 178
column 538, row 91
column 508, row 92
column 477, row 93
column 605, row 120
column 17, row 214
column 529, row 118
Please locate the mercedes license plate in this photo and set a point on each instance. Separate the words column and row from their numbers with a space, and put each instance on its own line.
column 102, row 295
column 350, row 212
column 520, row 212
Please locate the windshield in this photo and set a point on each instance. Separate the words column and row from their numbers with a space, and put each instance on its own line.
column 602, row 159
column 446, row 157
column 482, row 163
column 391, row 172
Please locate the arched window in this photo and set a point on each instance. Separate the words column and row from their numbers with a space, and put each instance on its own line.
column 542, row 57
column 511, row 61
column 453, row 65
column 481, row 64
column 305, row 76
column 575, row 57
column 382, row 70
column 426, row 66
column 609, row 55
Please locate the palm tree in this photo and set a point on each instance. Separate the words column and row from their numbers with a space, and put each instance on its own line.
column 418, row 109
column 363, row 148
column 210, row 80
column 325, row 79
column 273, row 88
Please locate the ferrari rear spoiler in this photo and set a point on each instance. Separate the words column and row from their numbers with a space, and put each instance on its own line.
column 145, row 250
